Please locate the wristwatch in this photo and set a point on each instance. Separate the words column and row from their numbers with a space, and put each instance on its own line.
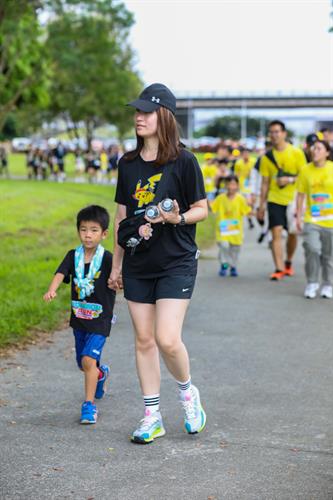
column 182, row 221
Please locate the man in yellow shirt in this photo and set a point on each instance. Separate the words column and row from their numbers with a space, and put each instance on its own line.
column 315, row 183
column 279, row 169
column 230, row 208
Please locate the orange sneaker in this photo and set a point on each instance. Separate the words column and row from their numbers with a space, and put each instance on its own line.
column 277, row 276
column 289, row 271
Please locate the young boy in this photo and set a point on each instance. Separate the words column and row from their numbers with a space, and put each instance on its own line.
column 230, row 208
column 89, row 265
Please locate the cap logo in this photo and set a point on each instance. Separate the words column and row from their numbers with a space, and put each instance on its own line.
column 155, row 99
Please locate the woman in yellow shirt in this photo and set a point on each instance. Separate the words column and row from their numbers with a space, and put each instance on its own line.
column 315, row 184
column 230, row 208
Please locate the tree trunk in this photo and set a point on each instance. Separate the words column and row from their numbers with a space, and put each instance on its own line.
column 89, row 132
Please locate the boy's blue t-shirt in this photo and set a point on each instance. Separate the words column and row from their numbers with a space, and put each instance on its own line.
column 94, row 313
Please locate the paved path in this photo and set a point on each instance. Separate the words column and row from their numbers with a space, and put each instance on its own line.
column 262, row 356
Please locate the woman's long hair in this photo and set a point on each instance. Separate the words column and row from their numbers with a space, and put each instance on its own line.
column 168, row 139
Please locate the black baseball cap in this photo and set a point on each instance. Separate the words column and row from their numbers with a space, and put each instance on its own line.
column 311, row 139
column 153, row 97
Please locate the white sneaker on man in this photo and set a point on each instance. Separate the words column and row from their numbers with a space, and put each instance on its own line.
column 326, row 292
column 310, row 291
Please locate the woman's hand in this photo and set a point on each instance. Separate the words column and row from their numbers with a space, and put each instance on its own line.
column 166, row 217
column 115, row 281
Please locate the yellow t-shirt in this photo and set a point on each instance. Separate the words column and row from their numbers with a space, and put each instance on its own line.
column 243, row 170
column 291, row 160
column 104, row 161
column 229, row 220
column 209, row 173
column 317, row 184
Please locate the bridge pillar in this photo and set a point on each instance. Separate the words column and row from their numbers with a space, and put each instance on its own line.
column 185, row 118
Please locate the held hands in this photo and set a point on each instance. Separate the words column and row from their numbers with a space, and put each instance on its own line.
column 166, row 217
column 115, row 281
column 49, row 295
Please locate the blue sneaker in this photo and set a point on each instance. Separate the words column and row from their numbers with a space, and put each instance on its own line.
column 88, row 413
column 233, row 272
column 102, row 382
column 195, row 416
column 223, row 270
column 151, row 427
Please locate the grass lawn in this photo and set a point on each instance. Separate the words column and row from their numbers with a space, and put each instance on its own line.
column 37, row 228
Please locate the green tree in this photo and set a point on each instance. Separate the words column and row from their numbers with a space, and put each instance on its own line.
column 230, row 127
column 23, row 63
column 92, row 63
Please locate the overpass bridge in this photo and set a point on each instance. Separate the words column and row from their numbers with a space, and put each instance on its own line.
column 187, row 104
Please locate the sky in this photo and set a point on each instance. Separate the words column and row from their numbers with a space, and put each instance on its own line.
column 206, row 46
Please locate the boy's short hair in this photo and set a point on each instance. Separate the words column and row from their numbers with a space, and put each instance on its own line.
column 94, row 213
column 231, row 178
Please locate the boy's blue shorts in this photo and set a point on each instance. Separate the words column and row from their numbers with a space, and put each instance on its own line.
column 88, row 344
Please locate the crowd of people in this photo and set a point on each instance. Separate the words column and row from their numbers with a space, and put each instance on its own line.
column 93, row 165
column 288, row 190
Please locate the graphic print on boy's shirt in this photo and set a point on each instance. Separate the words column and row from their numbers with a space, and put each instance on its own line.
column 229, row 227
column 86, row 310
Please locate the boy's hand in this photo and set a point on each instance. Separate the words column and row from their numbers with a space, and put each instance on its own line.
column 50, row 295
column 115, row 281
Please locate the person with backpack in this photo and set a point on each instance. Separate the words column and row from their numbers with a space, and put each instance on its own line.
column 279, row 169
column 160, row 184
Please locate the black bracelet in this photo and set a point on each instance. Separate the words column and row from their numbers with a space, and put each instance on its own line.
column 182, row 221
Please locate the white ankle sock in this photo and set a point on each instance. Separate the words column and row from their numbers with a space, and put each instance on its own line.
column 152, row 403
column 184, row 389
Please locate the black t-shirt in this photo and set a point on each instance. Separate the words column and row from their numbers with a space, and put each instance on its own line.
column 94, row 313
column 175, row 251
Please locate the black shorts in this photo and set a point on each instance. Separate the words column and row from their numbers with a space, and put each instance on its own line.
column 277, row 215
column 148, row 291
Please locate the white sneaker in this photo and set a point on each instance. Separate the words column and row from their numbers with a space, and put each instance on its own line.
column 326, row 292
column 150, row 427
column 194, row 414
column 310, row 291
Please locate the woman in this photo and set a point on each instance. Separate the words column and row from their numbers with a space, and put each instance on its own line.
column 158, row 282
column 315, row 183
